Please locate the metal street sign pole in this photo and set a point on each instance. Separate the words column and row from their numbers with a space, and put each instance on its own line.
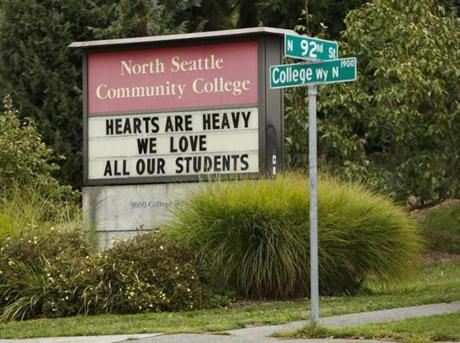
column 326, row 68
column 314, row 292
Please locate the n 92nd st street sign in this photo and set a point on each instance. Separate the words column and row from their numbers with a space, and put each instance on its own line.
column 300, row 74
column 309, row 48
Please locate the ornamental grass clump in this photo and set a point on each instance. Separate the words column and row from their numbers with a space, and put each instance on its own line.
column 253, row 236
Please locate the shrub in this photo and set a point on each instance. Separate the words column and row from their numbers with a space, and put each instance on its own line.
column 29, row 194
column 254, row 235
column 26, row 286
column 149, row 273
column 441, row 228
column 62, row 277
column 23, row 154
column 26, row 160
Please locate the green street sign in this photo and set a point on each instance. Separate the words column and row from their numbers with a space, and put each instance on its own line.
column 309, row 48
column 301, row 74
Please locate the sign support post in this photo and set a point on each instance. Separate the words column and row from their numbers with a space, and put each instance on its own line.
column 312, row 156
column 324, row 67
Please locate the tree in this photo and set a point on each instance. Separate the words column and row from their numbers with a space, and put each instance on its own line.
column 326, row 15
column 248, row 14
column 137, row 18
column 397, row 125
column 43, row 76
column 211, row 15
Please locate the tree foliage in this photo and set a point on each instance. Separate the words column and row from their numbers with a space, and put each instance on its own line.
column 43, row 76
column 211, row 15
column 324, row 15
column 397, row 125
column 136, row 18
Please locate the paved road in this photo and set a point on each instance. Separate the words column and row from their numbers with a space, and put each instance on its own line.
column 259, row 334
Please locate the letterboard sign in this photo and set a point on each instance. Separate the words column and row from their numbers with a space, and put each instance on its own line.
column 181, row 107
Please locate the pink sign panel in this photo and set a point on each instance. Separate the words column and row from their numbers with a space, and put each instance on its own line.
column 173, row 78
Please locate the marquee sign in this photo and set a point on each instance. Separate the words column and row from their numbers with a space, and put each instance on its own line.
column 181, row 109
column 174, row 143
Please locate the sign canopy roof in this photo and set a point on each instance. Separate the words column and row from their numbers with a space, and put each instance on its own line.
column 182, row 37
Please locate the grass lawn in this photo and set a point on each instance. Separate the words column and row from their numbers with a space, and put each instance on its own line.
column 437, row 282
column 444, row 327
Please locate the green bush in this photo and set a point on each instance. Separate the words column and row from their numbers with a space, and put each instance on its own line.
column 29, row 194
column 150, row 273
column 57, row 277
column 27, row 187
column 441, row 229
column 25, row 158
column 23, row 154
column 26, row 286
column 254, row 235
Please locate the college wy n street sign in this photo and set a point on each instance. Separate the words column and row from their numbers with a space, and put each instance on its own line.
column 309, row 48
column 301, row 74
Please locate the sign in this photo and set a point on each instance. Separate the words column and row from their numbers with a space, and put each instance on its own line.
column 181, row 107
column 309, row 48
column 174, row 143
column 154, row 142
column 173, row 78
column 302, row 74
column 295, row 75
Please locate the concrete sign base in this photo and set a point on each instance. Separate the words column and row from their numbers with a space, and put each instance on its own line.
column 121, row 212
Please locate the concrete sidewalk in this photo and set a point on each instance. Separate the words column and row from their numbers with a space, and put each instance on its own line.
column 261, row 333
column 83, row 339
